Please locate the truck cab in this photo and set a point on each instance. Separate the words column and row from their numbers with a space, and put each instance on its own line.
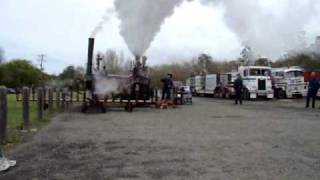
column 289, row 82
column 257, row 81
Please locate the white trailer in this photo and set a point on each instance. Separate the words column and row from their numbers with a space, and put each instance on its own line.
column 198, row 85
column 257, row 81
column 208, row 84
column 289, row 82
column 218, row 85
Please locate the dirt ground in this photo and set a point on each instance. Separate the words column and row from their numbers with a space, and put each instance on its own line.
column 213, row 139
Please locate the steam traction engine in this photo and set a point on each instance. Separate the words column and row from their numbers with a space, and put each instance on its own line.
column 128, row 91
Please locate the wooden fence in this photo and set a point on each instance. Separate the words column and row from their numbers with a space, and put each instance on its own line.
column 45, row 98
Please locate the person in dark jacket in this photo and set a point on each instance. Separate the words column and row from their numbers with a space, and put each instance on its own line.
column 238, row 88
column 167, row 87
column 312, row 90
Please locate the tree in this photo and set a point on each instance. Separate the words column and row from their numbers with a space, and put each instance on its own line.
column 113, row 63
column 18, row 73
column 262, row 62
column 72, row 73
column 306, row 61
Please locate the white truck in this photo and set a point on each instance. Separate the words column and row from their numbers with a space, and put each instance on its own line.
column 257, row 81
column 289, row 82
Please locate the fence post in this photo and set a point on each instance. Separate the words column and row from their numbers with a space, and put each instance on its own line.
column 3, row 114
column 85, row 95
column 157, row 96
column 44, row 95
column 40, row 103
column 71, row 95
column 78, row 97
column 50, row 99
column 25, row 108
column 63, row 104
column 33, row 93
column 58, row 98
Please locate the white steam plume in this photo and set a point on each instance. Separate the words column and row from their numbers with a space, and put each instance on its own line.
column 106, row 86
column 141, row 20
column 105, row 19
column 270, row 27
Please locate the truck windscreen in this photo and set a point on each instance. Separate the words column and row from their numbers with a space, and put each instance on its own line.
column 294, row 74
column 260, row 72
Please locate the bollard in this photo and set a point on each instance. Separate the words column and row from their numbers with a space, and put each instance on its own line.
column 25, row 108
column 3, row 114
column 40, row 103
column 58, row 98
column 50, row 99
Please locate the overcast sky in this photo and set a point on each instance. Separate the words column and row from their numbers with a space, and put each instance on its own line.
column 60, row 29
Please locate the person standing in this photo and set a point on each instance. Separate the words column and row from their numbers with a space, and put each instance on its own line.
column 238, row 88
column 167, row 87
column 312, row 90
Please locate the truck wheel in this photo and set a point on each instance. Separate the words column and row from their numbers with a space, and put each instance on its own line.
column 282, row 94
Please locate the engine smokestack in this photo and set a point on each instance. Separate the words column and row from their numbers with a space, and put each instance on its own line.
column 90, row 56
column 89, row 74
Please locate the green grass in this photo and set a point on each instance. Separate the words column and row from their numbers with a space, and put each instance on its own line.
column 15, row 121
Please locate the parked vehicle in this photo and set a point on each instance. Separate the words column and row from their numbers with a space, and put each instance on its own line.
column 11, row 91
column 217, row 85
column 225, row 88
column 185, row 95
column 256, row 79
column 289, row 82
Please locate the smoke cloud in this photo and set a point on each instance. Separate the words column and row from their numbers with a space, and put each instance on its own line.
column 105, row 19
column 271, row 27
column 106, row 86
column 141, row 20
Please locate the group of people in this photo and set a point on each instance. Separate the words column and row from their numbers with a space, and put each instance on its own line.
column 313, row 88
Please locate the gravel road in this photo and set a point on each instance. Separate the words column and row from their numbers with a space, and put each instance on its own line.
column 213, row 139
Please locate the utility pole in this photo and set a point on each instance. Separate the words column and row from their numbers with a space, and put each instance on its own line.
column 41, row 60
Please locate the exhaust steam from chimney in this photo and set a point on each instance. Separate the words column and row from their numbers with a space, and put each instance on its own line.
column 141, row 20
